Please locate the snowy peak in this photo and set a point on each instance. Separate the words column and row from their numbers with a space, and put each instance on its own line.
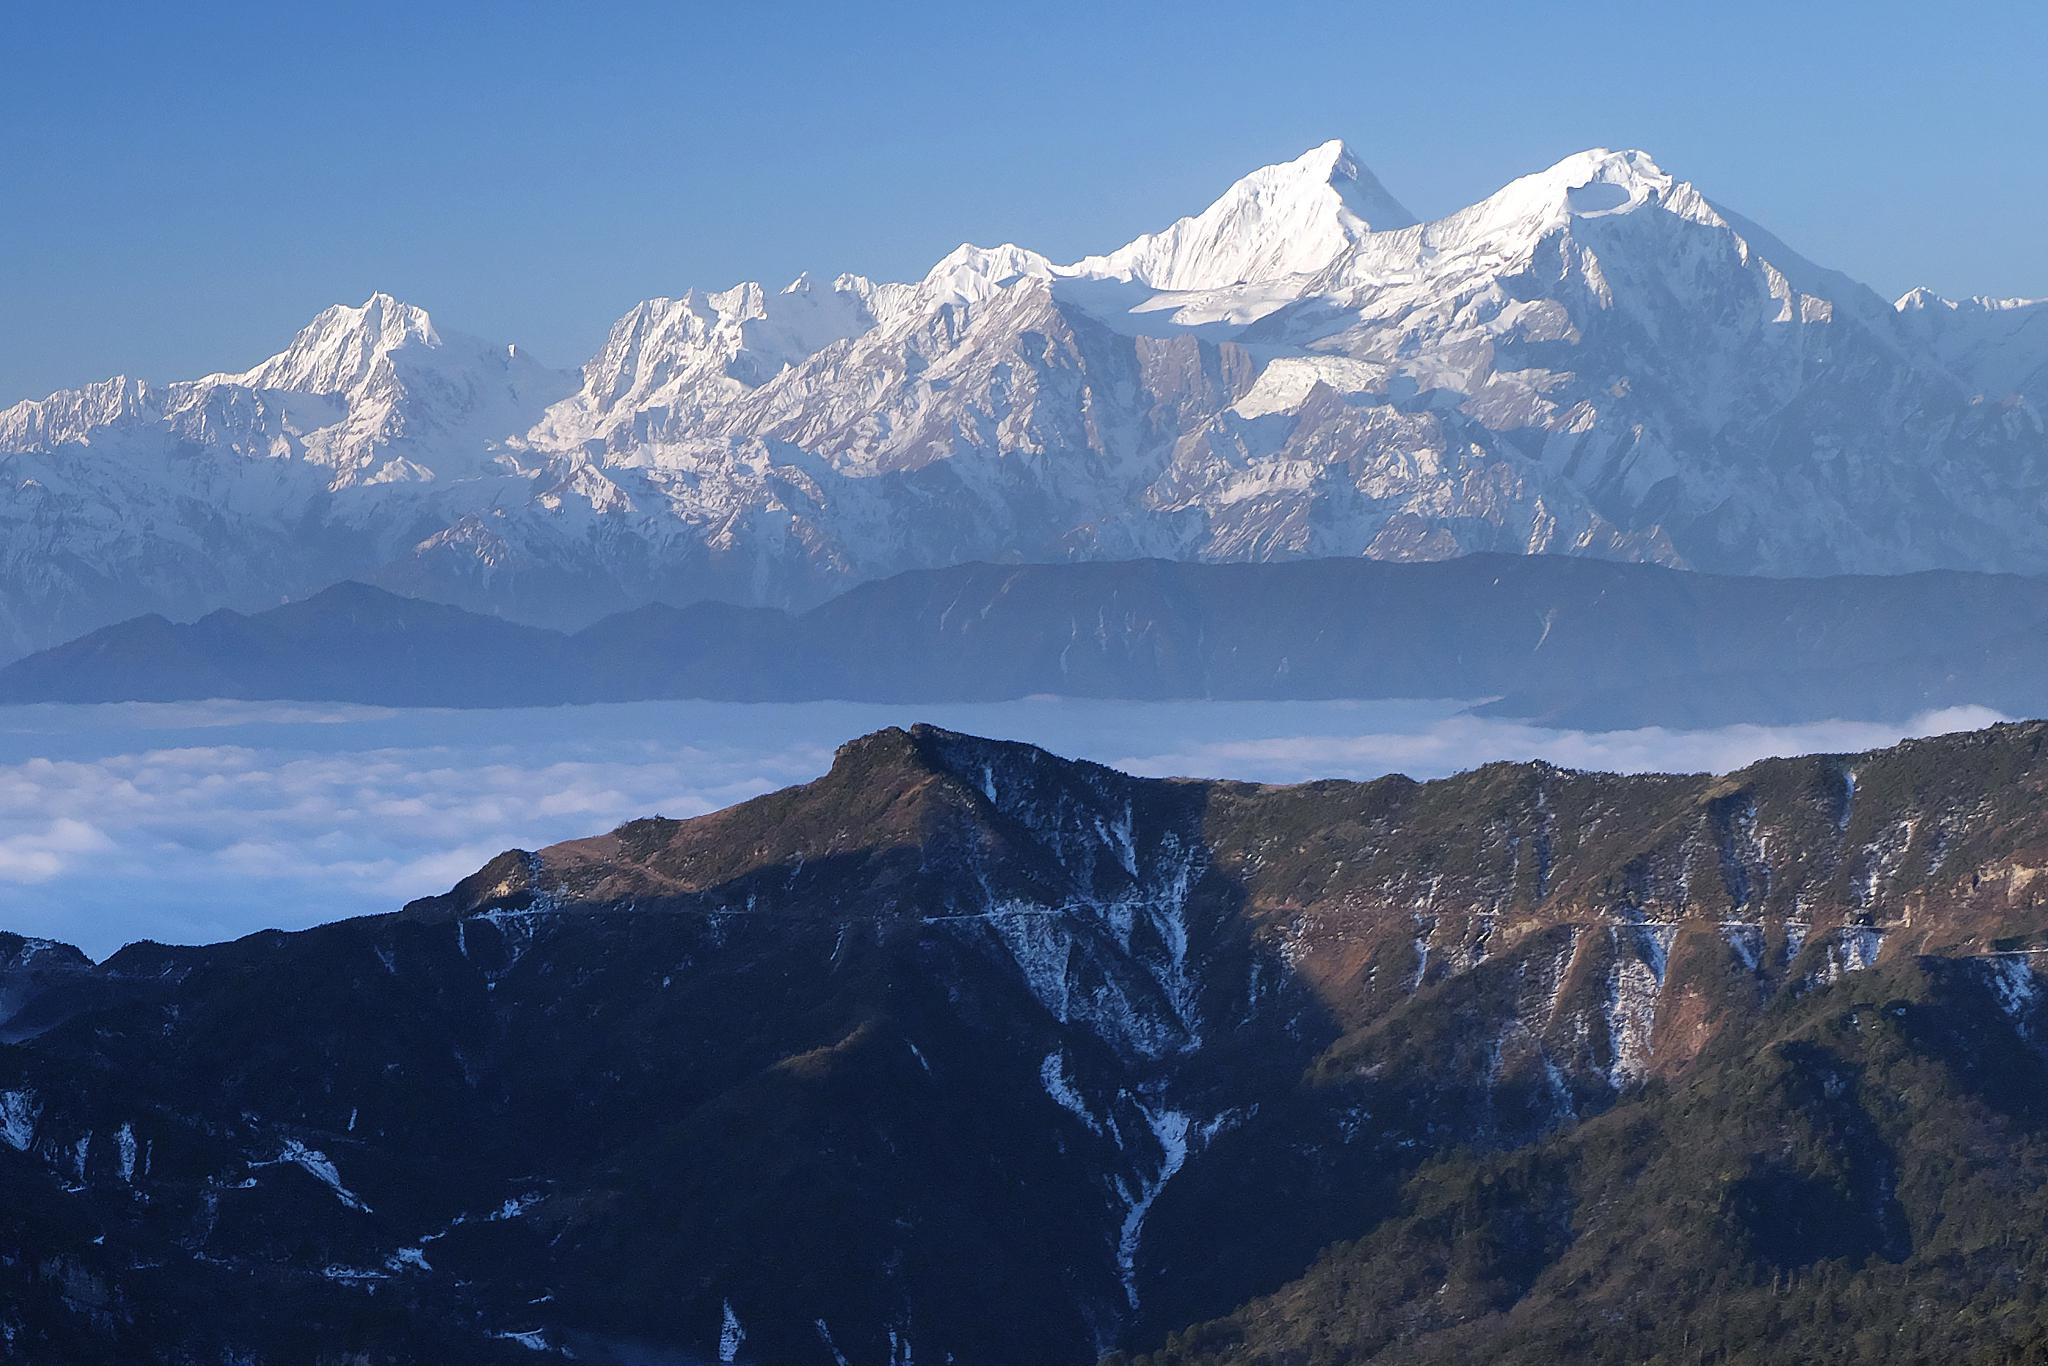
column 1596, row 183
column 1599, row 181
column 1468, row 252
column 1333, row 166
column 1921, row 299
column 969, row 274
column 74, row 414
column 339, row 349
column 1289, row 219
column 691, row 353
column 356, row 383
column 1595, row 359
column 1998, row 347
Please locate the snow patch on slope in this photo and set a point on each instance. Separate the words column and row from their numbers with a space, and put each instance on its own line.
column 1052, row 1074
column 19, row 1112
column 317, row 1165
column 1170, row 1128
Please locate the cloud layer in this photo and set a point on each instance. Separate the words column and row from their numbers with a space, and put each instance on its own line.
column 204, row 821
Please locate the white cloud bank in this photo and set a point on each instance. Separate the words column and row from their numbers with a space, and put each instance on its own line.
column 191, row 822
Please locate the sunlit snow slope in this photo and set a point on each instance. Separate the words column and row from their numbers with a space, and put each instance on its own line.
column 1598, row 359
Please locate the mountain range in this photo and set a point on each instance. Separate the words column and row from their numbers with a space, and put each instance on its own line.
column 964, row 1052
column 1596, row 360
column 1583, row 643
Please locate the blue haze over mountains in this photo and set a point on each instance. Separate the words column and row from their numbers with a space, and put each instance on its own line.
column 1506, row 837
column 1578, row 644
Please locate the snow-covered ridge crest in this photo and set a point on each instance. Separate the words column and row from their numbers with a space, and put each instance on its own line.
column 1587, row 184
column 1595, row 359
column 689, row 354
column 1502, row 231
column 1286, row 220
column 1997, row 346
column 1281, row 223
column 1920, row 297
column 341, row 348
column 373, row 394
column 969, row 274
column 73, row 415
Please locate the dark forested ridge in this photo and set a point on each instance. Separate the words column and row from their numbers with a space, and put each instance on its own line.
column 1573, row 642
column 966, row 1052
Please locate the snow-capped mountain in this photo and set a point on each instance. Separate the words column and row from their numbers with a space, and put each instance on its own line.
column 1282, row 221
column 1597, row 359
column 1997, row 346
column 375, row 394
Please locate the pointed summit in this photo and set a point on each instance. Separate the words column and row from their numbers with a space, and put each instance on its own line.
column 1335, row 165
column 1288, row 219
column 337, row 350
column 1920, row 299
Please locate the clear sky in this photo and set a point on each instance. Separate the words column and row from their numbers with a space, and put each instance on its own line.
column 187, row 184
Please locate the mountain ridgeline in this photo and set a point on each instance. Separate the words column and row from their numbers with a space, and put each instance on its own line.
column 964, row 1052
column 1596, row 359
column 1576, row 642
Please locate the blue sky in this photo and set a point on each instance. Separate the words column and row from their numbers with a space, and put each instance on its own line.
column 189, row 184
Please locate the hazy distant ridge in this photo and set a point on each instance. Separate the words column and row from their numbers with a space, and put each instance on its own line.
column 1586, row 643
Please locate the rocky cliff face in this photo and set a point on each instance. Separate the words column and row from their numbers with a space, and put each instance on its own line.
column 968, row 1052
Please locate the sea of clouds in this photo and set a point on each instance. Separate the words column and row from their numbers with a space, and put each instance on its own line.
column 197, row 822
